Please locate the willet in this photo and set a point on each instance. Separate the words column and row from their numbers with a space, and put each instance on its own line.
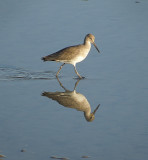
column 73, row 54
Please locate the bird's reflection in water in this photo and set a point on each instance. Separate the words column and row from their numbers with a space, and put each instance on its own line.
column 73, row 99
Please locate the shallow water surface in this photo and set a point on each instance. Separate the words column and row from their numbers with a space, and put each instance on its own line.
column 42, row 117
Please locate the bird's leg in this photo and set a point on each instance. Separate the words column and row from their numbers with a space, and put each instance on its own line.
column 76, row 84
column 61, row 84
column 59, row 69
column 77, row 73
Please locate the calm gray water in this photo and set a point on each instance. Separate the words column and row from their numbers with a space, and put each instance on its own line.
column 36, row 127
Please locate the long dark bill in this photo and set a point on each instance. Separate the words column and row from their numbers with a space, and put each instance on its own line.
column 96, row 47
column 96, row 109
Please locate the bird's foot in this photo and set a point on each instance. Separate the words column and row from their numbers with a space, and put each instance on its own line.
column 82, row 78
column 79, row 78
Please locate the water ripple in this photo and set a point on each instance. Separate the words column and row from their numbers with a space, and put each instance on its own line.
column 12, row 74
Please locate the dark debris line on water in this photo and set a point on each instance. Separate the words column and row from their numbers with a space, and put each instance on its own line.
column 65, row 158
column 62, row 158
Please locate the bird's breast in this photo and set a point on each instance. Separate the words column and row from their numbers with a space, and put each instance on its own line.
column 82, row 55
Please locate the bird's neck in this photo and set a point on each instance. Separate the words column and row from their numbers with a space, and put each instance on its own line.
column 87, row 44
column 87, row 112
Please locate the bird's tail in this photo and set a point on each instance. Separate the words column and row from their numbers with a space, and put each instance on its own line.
column 44, row 59
column 44, row 93
column 48, row 58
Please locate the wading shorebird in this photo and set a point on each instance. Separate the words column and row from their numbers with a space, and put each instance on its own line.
column 73, row 54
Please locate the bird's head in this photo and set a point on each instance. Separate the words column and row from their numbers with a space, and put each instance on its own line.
column 91, row 39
